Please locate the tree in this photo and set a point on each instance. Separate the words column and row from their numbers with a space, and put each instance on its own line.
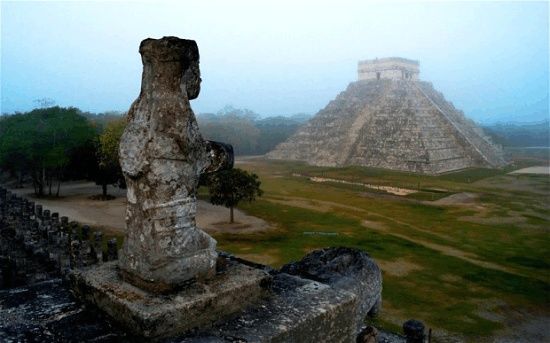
column 246, row 131
column 13, row 148
column 109, row 171
column 230, row 127
column 229, row 187
column 41, row 142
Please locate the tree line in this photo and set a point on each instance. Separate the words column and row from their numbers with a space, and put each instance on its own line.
column 55, row 144
column 47, row 146
column 520, row 134
column 246, row 131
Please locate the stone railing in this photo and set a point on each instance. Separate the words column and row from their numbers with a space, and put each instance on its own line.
column 36, row 244
column 491, row 153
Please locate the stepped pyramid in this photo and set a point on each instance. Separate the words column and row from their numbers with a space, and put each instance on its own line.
column 390, row 119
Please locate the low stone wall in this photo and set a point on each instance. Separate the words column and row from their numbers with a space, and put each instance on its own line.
column 38, row 245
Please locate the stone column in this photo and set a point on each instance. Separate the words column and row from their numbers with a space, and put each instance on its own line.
column 162, row 155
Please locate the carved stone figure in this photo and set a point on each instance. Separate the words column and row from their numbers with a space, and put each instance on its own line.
column 162, row 155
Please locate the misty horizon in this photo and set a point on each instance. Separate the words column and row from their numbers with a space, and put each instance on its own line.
column 489, row 58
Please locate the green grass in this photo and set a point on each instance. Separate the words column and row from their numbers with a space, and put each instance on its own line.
column 473, row 174
column 446, row 290
column 422, row 295
column 428, row 195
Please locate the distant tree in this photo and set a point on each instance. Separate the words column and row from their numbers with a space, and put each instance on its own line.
column 109, row 171
column 246, row 132
column 41, row 142
column 229, row 187
column 232, row 126
column 230, row 111
column 275, row 130
column 520, row 135
column 100, row 120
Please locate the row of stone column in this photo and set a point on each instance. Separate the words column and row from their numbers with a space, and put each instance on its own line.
column 36, row 243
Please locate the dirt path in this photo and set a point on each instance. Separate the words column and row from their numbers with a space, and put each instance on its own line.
column 387, row 189
column 76, row 204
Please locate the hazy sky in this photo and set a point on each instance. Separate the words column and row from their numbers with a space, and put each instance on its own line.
column 491, row 59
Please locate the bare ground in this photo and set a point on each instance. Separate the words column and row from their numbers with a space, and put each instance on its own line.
column 76, row 204
column 400, row 267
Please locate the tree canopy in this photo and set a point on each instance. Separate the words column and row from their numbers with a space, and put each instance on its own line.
column 246, row 132
column 52, row 144
column 41, row 142
column 229, row 187
column 109, row 171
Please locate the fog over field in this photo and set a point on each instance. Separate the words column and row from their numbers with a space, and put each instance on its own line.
column 278, row 58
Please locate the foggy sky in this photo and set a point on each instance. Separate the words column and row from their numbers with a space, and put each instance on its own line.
column 490, row 59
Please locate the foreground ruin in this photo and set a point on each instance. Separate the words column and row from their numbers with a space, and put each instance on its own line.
column 170, row 280
column 324, row 297
column 389, row 119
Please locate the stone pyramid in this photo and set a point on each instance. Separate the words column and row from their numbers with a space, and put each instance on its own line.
column 389, row 119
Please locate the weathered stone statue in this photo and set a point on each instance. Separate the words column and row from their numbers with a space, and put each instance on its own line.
column 162, row 155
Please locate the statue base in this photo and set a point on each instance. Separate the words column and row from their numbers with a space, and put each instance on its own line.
column 152, row 315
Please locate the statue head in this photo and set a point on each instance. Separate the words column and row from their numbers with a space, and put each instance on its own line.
column 180, row 63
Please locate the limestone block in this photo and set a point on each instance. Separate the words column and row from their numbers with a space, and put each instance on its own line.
column 298, row 310
column 151, row 315
column 347, row 269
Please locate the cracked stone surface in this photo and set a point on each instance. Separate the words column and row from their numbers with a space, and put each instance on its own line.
column 346, row 269
column 162, row 155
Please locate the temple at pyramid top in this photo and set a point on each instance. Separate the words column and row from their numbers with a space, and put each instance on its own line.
column 392, row 68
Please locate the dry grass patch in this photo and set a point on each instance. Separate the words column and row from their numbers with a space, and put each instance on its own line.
column 399, row 268
column 374, row 225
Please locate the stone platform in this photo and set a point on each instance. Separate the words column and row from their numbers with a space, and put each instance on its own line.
column 298, row 310
column 155, row 316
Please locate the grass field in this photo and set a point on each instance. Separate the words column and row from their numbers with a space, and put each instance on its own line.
column 468, row 269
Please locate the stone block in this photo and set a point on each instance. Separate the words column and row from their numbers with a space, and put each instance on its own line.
column 346, row 269
column 155, row 316
column 297, row 310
